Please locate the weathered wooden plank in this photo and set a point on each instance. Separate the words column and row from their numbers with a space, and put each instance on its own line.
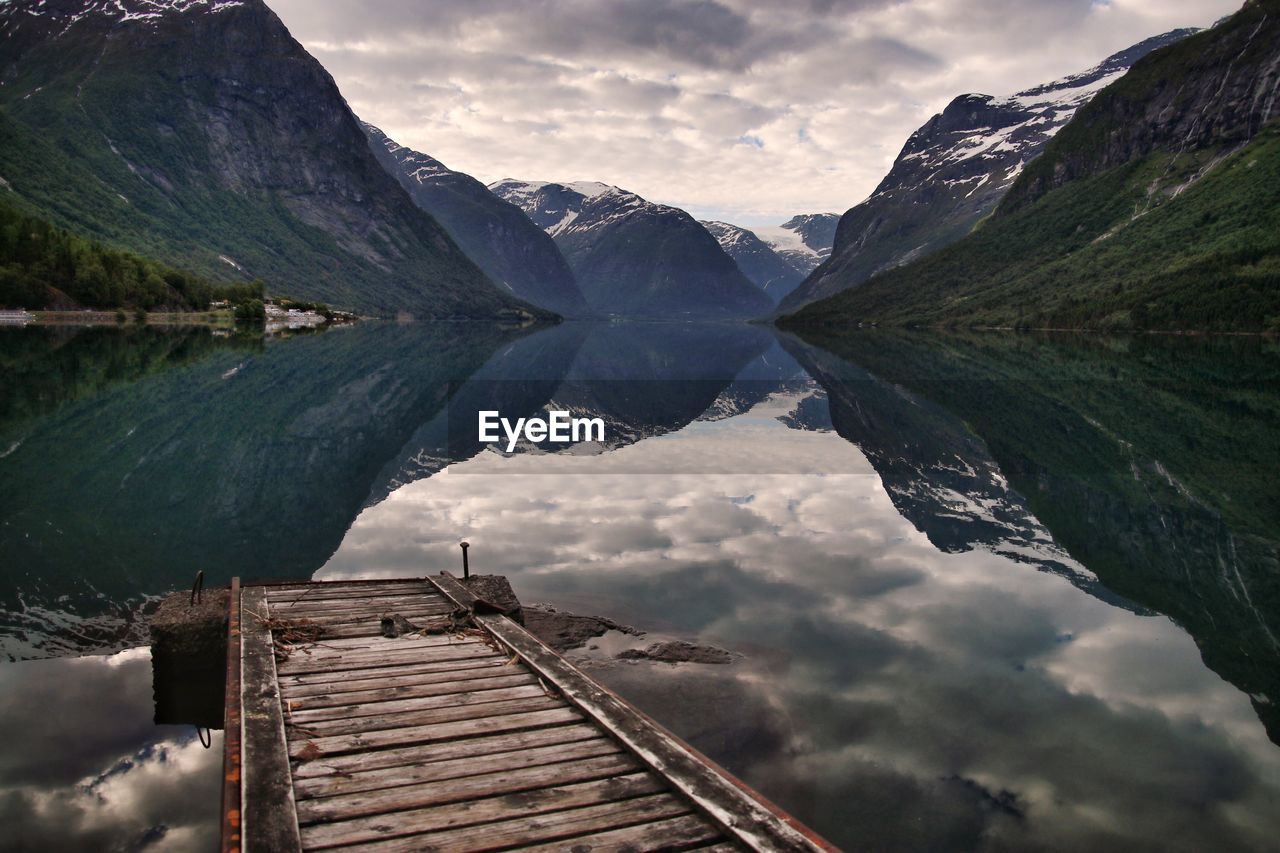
column 269, row 817
column 463, row 747
column 424, row 673
column 743, row 814
column 324, row 746
column 364, row 628
column 318, row 588
column 419, row 615
column 679, row 833
column 524, row 831
column 388, row 707
column 437, row 771
column 321, row 590
column 401, row 798
column 344, row 605
column 300, row 663
column 722, row 847
column 308, row 659
column 410, row 691
column 469, row 710
column 378, row 642
column 339, row 596
column 378, row 647
column 482, row 811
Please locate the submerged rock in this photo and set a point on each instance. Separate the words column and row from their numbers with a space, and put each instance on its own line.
column 565, row 631
column 678, row 651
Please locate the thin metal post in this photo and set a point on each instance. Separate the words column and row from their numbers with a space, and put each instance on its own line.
column 466, row 564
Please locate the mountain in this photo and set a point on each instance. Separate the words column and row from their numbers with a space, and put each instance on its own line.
column 200, row 133
column 511, row 250
column 635, row 258
column 1157, row 207
column 803, row 241
column 953, row 171
column 757, row 259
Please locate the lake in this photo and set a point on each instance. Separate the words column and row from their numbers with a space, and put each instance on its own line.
column 984, row 591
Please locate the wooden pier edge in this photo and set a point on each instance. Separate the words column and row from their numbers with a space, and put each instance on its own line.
column 230, row 839
column 269, row 813
column 740, row 811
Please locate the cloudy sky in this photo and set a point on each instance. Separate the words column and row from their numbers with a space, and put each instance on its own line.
column 745, row 110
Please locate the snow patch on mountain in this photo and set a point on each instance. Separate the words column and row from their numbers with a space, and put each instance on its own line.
column 803, row 241
column 557, row 205
column 954, row 170
column 123, row 11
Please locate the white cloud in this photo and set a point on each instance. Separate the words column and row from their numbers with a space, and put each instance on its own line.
column 657, row 96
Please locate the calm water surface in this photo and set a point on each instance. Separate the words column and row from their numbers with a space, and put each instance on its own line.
column 990, row 592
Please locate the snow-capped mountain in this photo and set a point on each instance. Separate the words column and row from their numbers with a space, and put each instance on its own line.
column 495, row 234
column 953, row 171
column 803, row 241
column 757, row 259
column 632, row 257
column 200, row 133
column 72, row 11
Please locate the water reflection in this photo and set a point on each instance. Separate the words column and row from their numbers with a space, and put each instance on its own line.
column 84, row 768
column 993, row 592
column 921, row 640
column 1149, row 460
column 235, row 461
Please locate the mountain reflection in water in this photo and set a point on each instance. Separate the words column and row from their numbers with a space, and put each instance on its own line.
column 993, row 591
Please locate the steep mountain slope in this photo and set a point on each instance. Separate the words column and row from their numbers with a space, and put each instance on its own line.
column 1158, row 207
column 757, row 259
column 953, row 171
column 635, row 258
column 202, row 134
column 496, row 234
column 42, row 267
column 804, row 241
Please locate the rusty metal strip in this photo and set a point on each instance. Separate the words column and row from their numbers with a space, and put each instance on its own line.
column 232, row 731
column 747, row 817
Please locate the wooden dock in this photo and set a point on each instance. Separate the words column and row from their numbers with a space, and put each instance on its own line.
column 479, row 739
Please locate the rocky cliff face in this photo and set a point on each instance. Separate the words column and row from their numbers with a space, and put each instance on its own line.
column 635, row 258
column 202, row 133
column 757, row 259
column 953, row 171
column 1157, row 207
column 511, row 250
column 1216, row 90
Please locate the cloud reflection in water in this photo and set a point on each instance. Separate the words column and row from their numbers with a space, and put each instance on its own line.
column 84, row 768
column 895, row 696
